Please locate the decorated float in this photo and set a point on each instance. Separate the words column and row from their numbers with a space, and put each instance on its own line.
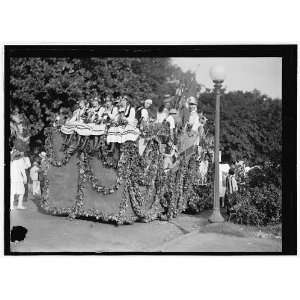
column 148, row 178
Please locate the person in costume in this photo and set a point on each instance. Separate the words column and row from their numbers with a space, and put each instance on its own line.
column 61, row 118
column 193, row 124
column 91, row 127
column 78, row 114
column 202, row 120
column 142, row 114
column 163, row 111
column 143, row 118
column 111, row 117
column 128, row 122
column 77, row 119
column 171, row 121
column 184, row 111
column 98, row 125
column 162, row 114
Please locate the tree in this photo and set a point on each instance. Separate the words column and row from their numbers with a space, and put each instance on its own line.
column 251, row 123
column 250, row 126
column 41, row 86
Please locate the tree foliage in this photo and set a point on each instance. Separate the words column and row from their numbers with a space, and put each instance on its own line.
column 250, row 128
column 250, row 124
column 40, row 86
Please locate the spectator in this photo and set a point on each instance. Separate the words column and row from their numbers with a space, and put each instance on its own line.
column 43, row 168
column 34, row 175
column 27, row 165
column 231, row 186
column 223, row 172
column 18, row 178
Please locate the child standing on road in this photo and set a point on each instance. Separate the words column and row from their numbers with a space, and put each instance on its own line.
column 34, row 175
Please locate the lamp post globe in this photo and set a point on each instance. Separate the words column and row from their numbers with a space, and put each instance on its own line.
column 217, row 74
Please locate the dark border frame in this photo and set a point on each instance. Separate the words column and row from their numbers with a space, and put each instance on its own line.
column 288, row 53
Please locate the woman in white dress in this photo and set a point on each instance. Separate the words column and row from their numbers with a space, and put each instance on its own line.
column 76, row 119
column 128, row 127
column 194, row 120
column 110, row 117
column 18, row 179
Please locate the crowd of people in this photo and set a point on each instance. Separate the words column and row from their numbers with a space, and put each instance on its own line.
column 120, row 121
column 26, row 173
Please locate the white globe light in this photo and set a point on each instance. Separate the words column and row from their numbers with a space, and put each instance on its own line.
column 217, row 73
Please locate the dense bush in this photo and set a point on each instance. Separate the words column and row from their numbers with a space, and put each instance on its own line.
column 200, row 197
column 259, row 202
column 268, row 174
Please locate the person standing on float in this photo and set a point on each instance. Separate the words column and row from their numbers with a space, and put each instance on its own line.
column 77, row 119
column 99, row 126
column 171, row 120
column 93, row 117
column 110, row 117
column 129, row 130
column 144, row 121
column 194, row 120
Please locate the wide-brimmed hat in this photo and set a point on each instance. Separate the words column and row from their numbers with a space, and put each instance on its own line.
column 173, row 111
column 43, row 154
column 126, row 98
column 192, row 100
column 149, row 101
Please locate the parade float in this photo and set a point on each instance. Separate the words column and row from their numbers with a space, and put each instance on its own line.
column 86, row 182
column 149, row 178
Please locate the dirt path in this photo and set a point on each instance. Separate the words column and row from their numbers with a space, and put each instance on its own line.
column 185, row 233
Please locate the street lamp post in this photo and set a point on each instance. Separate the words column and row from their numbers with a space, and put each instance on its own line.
column 217, row 75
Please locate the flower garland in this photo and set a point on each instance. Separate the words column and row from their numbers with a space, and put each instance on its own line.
column 95, row 181
column 166, row 194
column 50, row 150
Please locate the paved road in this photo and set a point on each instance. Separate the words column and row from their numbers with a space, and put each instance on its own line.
column 186, row 233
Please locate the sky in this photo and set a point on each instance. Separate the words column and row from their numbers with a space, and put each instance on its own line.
column 242, row 73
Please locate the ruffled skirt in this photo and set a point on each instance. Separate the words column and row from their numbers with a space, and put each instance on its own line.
column 83, row 128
